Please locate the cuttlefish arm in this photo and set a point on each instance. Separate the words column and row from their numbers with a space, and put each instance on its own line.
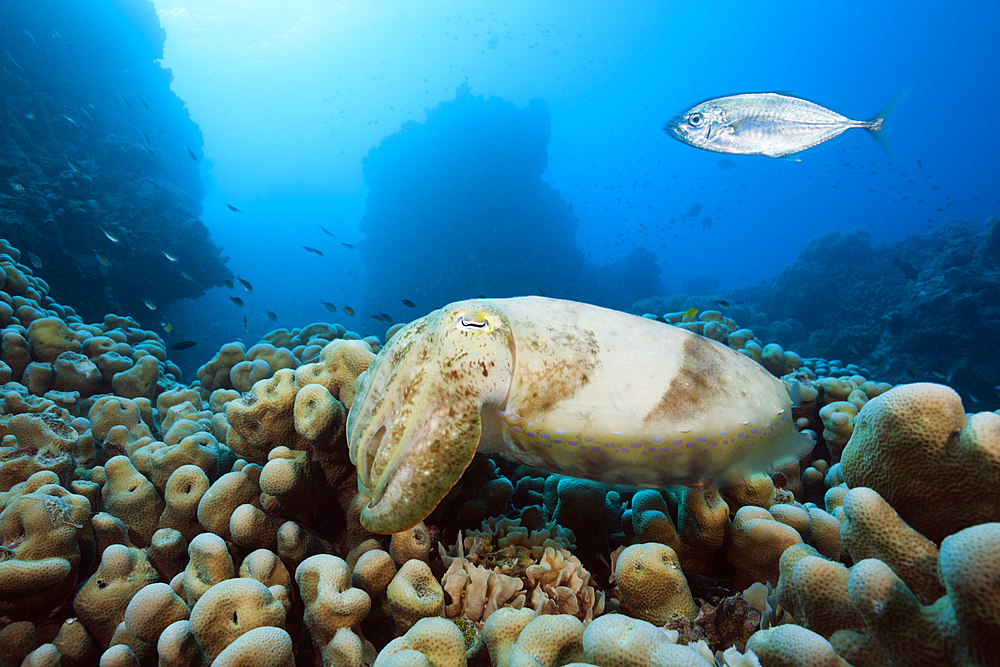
column 419, row 413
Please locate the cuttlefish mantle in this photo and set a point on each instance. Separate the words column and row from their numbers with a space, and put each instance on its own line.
column 562, row 386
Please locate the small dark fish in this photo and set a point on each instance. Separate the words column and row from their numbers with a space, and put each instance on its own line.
column 246, row 284
column 236, row 300
column 19, row 65
column 102, row 258
column 722, row 303
column 919, row 164
column 409, row 304
column 726, row 164
column 187, row 276
column 693, row 211
column 183, row 345
column 16, row 184
column 232, row 208
column 327, row 231
column 494, row 40
column 348, row 311
column 143, row 102
column 271, row 315
column 246, row 323
column 228, row 283
column 347, row 245
column 907, row 269
column 127, row 103
column 77, row 169
column 191, row 153
column 329, row 306
column 314, row 251
column 706, row 223
column 35, row 261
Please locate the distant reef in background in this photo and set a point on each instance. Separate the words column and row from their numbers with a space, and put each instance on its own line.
column 457, row 207
column 94, row 146
column 922, row 308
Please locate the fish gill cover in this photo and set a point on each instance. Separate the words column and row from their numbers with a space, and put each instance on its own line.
column 96, row 179
column 457, row 205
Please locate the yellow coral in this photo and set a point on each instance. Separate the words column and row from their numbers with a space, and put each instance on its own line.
column 916, row 448
column 230, row 609
column 652, row 585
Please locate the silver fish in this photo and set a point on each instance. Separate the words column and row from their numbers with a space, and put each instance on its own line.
column 763, row 124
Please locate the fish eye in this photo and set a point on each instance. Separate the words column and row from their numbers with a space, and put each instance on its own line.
column 474, row 322
column 695, row 119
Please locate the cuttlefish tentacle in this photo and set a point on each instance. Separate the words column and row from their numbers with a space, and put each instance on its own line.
column 421, row 412
column 566, row 387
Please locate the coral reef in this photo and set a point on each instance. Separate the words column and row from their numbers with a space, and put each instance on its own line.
column 145, row 521
column 906, row 326
column 95, row 173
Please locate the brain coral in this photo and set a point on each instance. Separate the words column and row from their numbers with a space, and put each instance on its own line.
column 915, row 446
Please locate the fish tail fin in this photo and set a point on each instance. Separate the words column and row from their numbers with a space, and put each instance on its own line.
column 875, row 124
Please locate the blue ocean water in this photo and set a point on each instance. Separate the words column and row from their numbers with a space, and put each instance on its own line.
column 291, row 97
column 377, row 154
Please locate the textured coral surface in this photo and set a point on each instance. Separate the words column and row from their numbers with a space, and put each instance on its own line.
column 146, row 521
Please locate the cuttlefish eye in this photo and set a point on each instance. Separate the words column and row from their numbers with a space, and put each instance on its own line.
column 694, row 120
column 474, row 322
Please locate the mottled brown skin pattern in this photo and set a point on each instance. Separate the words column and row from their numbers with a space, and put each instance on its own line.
column 699, row 382
column 433, row 382
column 557, row 377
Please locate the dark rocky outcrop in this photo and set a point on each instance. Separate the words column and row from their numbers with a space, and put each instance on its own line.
column 457, row 207
column 922, row 308
column 92, row 140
